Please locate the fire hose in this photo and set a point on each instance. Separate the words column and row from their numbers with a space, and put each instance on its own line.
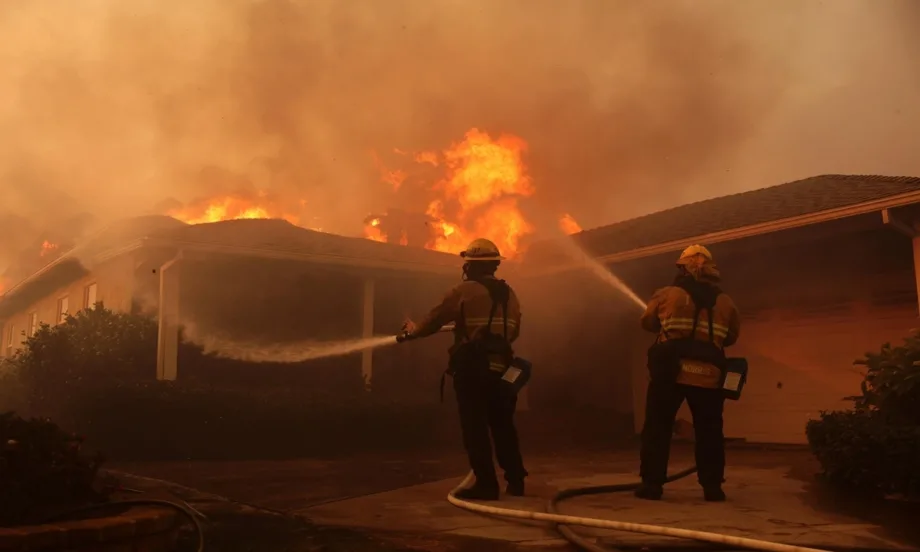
column 564, row 523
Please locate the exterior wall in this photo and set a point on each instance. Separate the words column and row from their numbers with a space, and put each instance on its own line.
column 114, row 281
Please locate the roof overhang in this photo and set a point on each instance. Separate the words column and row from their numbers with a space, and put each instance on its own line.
column 882, row 206
column 188, row 247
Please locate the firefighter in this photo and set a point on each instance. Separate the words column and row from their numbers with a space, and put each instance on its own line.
column 487, row 318
column 694, row 321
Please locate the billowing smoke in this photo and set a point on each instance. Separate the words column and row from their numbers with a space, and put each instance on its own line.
column 110, row 107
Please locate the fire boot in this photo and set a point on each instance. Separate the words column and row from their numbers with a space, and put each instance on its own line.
column 515, row 488
column 714, row 493
column 478, row 492
column 647, row 491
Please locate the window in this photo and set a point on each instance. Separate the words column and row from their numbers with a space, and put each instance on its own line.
column 63, row 308
column 89, row 296
column 33, row 323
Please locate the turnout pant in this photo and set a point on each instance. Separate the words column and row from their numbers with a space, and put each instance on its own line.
column 485, row 404
column 663, row 400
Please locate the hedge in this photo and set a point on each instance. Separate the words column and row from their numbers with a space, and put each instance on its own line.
column 875, row 447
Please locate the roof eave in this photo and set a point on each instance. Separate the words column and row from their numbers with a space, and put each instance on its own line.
column 789, row 223
column 316, row 258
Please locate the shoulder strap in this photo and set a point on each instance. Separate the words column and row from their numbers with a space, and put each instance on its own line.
column 500, row 294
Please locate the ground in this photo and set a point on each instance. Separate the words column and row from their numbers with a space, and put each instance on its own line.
column 396, row 502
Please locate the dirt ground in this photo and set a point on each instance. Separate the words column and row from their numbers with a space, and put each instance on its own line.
column 277, row 501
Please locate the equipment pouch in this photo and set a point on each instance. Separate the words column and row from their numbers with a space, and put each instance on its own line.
column 734, row 376
column 517, row 374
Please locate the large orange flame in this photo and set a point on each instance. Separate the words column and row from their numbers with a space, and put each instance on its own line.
column 477, row 195
column 231, row 207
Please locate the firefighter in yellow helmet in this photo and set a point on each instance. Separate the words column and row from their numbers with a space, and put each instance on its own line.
column 694, row 321
column 487, row 319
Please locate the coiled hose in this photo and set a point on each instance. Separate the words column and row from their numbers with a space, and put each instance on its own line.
column 562, row 522
column 185, row 509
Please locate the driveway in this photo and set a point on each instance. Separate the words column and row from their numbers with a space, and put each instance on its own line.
column 772, row 496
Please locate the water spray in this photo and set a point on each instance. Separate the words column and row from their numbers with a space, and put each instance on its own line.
column 290, row 353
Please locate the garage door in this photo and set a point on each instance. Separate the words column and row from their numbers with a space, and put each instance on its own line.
column 801, row 362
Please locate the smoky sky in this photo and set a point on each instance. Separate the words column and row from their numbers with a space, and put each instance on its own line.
column 109, row 107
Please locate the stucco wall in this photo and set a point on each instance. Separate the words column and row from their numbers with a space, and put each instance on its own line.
column 114, row 287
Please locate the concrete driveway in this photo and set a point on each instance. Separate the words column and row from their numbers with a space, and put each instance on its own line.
column 772, row 496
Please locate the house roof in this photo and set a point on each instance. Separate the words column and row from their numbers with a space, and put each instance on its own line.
column 281, row 239
column 810, row 196
column 263, row 238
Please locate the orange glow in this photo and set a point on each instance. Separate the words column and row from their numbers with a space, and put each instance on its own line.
column 231, row 207
column 477, row 196
column 568, row 224
column 4, row 285
column 372, row 231
column 47, row 247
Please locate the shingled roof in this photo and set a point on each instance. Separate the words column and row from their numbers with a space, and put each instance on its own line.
column 794, row 199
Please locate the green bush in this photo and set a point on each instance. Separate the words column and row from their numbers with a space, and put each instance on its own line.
column 875, row 448
column 862, row 451
column 95, row 374
column 43, row 471
column 95, row 345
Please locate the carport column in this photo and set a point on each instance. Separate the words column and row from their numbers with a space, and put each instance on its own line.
column 168, row 315
column 367, row 356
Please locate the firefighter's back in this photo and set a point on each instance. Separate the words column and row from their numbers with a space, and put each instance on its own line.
column 477, row 305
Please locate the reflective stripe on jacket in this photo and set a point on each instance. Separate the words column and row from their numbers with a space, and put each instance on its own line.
column 472, row 299
column 670, row 315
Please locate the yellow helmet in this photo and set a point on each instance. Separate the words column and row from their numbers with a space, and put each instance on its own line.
column 481, row 250
column 692, row 253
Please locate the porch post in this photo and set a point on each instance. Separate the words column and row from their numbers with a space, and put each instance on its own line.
column 367, row 356
column 916, row 244
column 168, row 320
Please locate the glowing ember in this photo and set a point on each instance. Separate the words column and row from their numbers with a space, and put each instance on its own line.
column 47, row 247
column 478, row 194
column 235, row 207
column 568, row 224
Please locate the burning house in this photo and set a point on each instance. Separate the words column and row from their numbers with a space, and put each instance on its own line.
column 254, row 281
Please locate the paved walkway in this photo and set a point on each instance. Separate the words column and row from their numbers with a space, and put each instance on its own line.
column 764, row 503
column 770, row 498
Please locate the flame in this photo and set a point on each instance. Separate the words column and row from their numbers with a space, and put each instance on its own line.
column 477, row 195
column 372, row 231
column 231, row 207
column 47, row 247
column 569, row 225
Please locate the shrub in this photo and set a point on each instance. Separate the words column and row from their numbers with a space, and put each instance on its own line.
column 95, row 345
column 862, row 451
column 875, row 447
column 42, row 471
column 95, row 374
